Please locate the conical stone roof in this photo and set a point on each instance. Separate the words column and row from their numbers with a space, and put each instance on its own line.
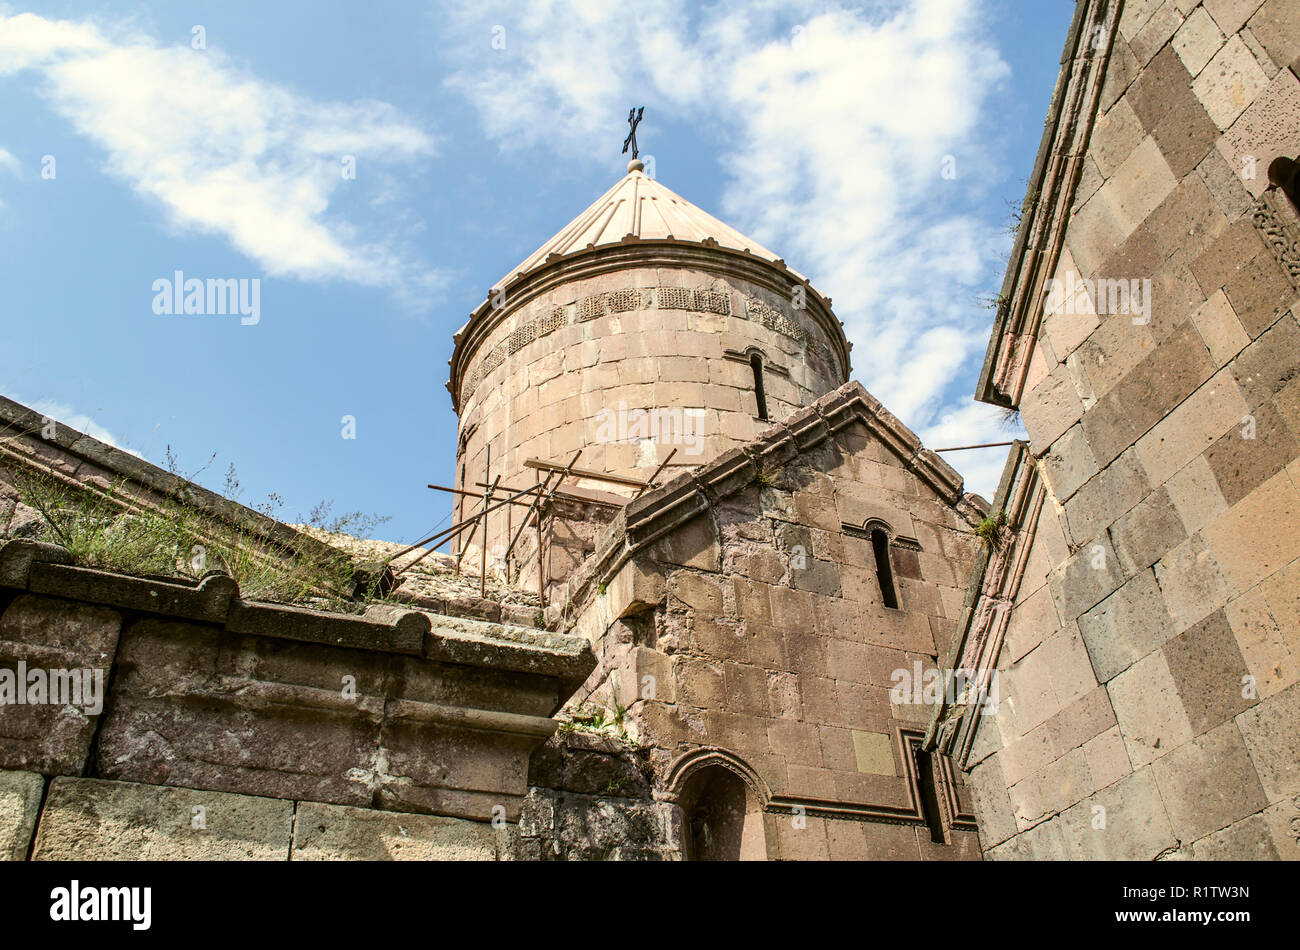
column 639, row 208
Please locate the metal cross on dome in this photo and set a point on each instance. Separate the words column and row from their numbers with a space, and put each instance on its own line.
column 633, row 119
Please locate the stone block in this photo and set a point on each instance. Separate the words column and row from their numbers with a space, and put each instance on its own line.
column 48, row 634
column 1032, row 622
column 1263, row 645
column 1085, row 579
column 993, row 808
column 1120, row 71
column 342, row 833
column 1282, row 591
column 1260, row 293
column 1028, row 684
column 1138, row 186
column 1117, row 489
column 1156, row 32
column 1269, row 128
column 1257, row 536
column 1283, row 822
column 1162, row 82
column 1195, row 494
column 1135, row 15
column 1124, row 822
column 1149, row 710
column 1114, row 136
column 1116, row 346
column 1143, row 535
column 1197, row 40
column 1208, row 783
column 1245, row 840
column 1245, row 457
column 1068, row 665
column 1069, row 463
column 92, row 820
column 1269, row 365
column 1126, row 626
column 1230, row 82
column 1083, row 720
column 1191, row 428
column 1273, row 25
column 1093, row 231
column 1220, row 329
column 1107, row 757
column 1229, row 255
column 1273, row 742
column 1181, row 229
column 1231, row 15
column 1225, row 185
column 1185, row 134
column 873, row 753
column 20, row 802
column 1028, row 753
column 1209, row 672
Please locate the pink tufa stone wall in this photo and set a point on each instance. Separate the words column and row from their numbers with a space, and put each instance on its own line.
column 1152, row 657
column 628, row 365
column 754, row 637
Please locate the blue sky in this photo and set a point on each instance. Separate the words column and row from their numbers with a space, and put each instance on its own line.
column 821, row 130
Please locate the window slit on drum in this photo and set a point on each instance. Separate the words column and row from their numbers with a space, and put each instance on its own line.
column 880, row 544
column 756, row 364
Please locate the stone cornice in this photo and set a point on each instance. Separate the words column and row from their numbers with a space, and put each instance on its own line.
column 632, row 254
column 1045, row 212
column 46, row 569
column 986, row 611
column 655, row 514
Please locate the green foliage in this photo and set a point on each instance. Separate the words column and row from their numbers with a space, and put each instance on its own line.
column 990, row 530
column 116, row 529
column 766, row 479
column 591, row 717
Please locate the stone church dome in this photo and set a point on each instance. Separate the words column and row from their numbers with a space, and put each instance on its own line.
column 645, row 334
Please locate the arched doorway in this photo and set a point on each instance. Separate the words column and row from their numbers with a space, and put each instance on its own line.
column 722, row 818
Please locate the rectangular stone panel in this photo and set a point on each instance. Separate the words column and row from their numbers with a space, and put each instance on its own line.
column 92, row 820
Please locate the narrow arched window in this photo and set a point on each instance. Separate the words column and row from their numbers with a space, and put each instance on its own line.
column 756, row 364
column 723, row 821
column 925, row 774
column 885, row 573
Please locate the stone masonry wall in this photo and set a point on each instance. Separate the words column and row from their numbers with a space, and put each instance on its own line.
column 635, row 340
column 757, row 630
column 1151, row 667
column 230, row 729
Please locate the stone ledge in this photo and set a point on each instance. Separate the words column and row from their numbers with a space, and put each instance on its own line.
column 45, row 569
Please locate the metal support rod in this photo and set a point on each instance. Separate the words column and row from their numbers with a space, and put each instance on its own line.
column 584, row 473
column 962, row 448
column 487, row 499
column 537, row 499
column 453, row 530
column 541, row 581
column 477, row 494
column 650, row 484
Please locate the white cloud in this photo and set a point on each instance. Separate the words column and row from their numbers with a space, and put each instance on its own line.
column 975, row 423
column 9, row 163
column 833, row 125
column 222, row 151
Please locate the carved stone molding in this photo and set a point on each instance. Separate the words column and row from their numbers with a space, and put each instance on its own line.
column 1279, row 225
